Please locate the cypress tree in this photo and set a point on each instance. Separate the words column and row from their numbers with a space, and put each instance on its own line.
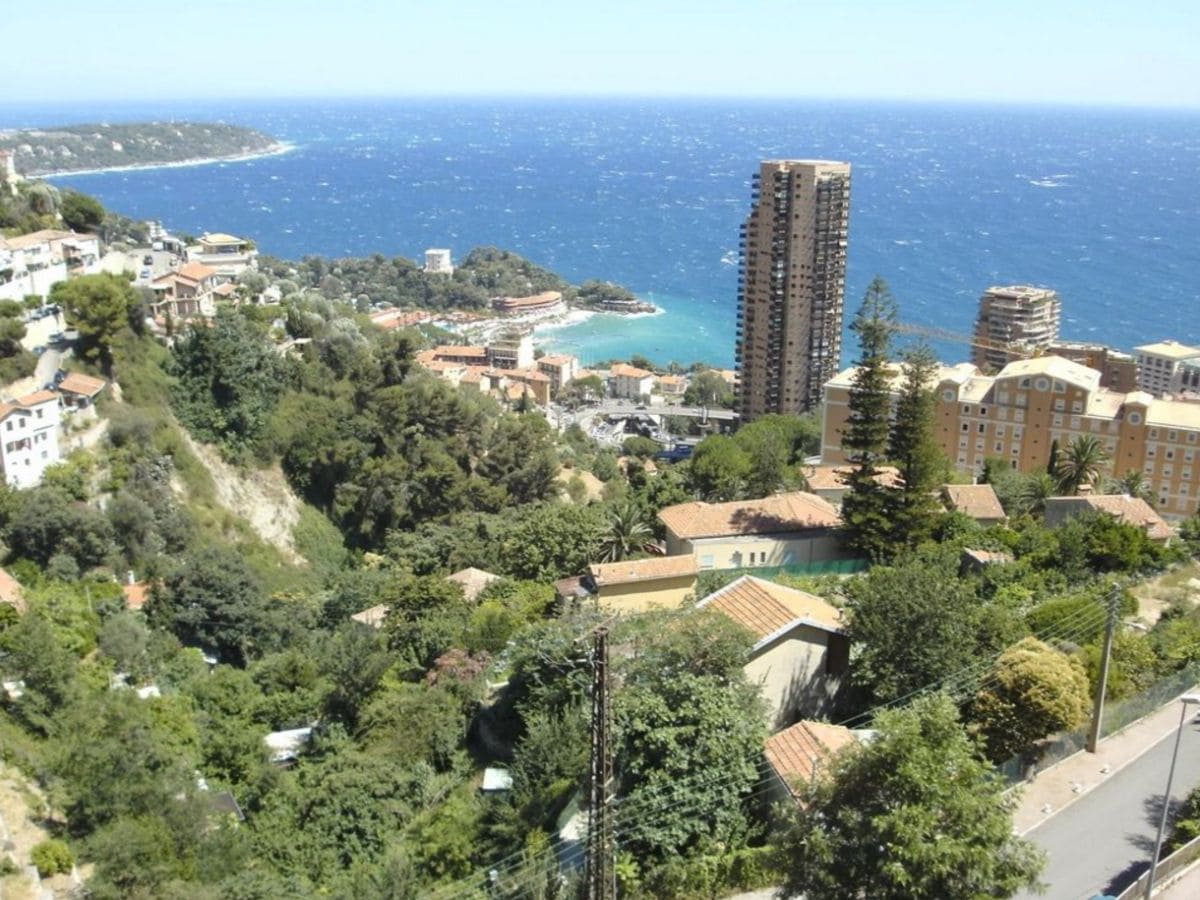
column 865, row 516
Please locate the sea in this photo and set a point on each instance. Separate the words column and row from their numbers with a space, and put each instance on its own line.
column 1101, row 204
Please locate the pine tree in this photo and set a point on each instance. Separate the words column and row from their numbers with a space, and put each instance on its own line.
column 865, row 522
column 914, row 450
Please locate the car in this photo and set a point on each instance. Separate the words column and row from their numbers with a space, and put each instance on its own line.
column 147, row 260
column 39, row 350
column 144, row 274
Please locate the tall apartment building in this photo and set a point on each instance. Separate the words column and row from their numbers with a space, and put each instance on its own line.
column 1019, row 413
column 1159, row 366
column 1018, row 314
column 791, row 286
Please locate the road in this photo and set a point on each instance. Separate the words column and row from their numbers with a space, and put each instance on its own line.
column 1103, row 841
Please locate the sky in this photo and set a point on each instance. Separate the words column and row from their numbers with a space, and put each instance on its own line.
column 1096, row 52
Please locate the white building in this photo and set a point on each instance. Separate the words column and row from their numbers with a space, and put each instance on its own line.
column 29, row 429
column 630, row 382
column 437, row 262
column 34, row 263
column 1159, row 366
column 229, row 255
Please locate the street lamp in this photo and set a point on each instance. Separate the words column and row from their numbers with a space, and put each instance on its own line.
column 1184, row 702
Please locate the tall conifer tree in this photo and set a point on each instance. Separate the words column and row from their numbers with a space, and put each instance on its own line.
column 914, row 450
column 865, row 521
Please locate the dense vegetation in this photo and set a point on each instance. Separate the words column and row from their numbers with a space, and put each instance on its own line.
column 71, row 148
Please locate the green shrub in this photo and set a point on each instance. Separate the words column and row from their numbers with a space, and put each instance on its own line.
column 52, row 857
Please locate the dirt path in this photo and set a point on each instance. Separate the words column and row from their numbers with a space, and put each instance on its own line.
column 1157, row 594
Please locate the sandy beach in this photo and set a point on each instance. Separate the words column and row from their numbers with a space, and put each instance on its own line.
column 277, row 149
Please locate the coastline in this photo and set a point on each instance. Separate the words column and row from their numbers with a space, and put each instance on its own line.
column 277, row 149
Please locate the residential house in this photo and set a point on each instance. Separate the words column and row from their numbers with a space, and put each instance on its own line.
column 801, row 753
column 976, row 501
column 34, row 263
column 828, row 484
column 672, row 387
column 1131, row 510
column 793, row 529
column 800, row 654
column 973, row 560
column 630, row 382
column 136, row 594
column 638, row 585
column 472, row 581
column 560, row 368
column 229, row 255
column 79, row 391
column 29, row 430
column 187, row 292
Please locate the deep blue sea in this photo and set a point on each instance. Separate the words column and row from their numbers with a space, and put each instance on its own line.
column 1102, row 205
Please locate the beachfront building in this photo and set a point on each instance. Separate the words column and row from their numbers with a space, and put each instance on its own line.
column 1031, row 405
column 187, row 292
column 437, row 262
column 33, row 263
column 672, row 387
column 1159, row 366
column 229, row 255
column 791, row 286
column 29, row 431
column 1014, row 322
column 630, row 382
column 547, row 303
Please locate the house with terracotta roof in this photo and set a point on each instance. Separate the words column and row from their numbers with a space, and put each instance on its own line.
column 560, row 368
column 976, row 501
column 630, row 382
column 638, row 585
column 136, row 594
column 804, row 752
column 828, row 483
column 187, row 292
column 29, row 432
column 792, row 529
column 79, row 391
column 800, row 654
column 472, row 581
column 1122, row 507
column 672, row 387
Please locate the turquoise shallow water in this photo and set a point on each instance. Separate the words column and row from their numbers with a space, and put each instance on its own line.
column 1102, row 205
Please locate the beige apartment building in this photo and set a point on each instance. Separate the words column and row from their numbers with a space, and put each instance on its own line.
column 791, row 285
column 1160, row 366
column 1019, row 413
column 1020, row 315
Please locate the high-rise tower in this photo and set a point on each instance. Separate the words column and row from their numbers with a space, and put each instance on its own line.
column 1023, row 316
column 791, row 286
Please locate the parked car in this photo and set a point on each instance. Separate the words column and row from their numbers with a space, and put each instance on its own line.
column 39, row 350
column 147, row 260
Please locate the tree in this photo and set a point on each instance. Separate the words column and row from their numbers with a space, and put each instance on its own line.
column 98, row 306
column 1031, row 691
column 913, row 813
column 866, row 528
column 1134, row 484
column 80, row 212
column 773, row 444
column 708, row 388
column 213, row 600
column 719, row 468
column 914, row 622
column 551, row 540
column 914, row 450
column 1081, row 464
column 626, row 532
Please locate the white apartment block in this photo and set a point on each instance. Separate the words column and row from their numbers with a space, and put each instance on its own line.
column 228, row 254
column 1160, row 366
column 34, row 263
column 630, row 382
column 29, row 430
column 437, row 262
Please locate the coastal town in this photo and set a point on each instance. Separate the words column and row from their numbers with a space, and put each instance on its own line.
column 796, row 563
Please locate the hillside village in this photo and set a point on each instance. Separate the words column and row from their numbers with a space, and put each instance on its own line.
column 393, row 694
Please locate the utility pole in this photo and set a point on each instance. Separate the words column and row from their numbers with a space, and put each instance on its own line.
column 601, row 871
column 1114, row 602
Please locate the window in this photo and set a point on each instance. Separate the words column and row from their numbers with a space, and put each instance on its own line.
column 1020, row 416
column 1170, row 454
column 38, row 413
column 1042, row 384
column 1022, row 402
column 1059, row 405
column 1172, row 436
column 1168, row 471
column 1154, row 434
column 1025, row 383
column 706, row 561
column 982, row 427
column 999, row 431
column 999, row 447
column 1058, row 420
column 948, row 396
column 1152, row 451
column 983, row 410
column 1059, row 387
column 8, row 424
column 1002, row 398
column 1075, row 422
column 966, row 426
column 1191, row 437
column 1134, row 418
column 1076, row 406
column 966, row 410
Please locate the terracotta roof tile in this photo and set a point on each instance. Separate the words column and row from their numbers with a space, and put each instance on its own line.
column 798, row 753
column 632, row 570
column 77, row 383
column 1133, row 510
column 767, row 609
column 828, row 478
column 473, row 581
column 979, row 501
column 796, row 511
column 136, row 594
column 628, row 371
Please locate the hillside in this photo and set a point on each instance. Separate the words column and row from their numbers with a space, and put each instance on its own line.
column 74, row 148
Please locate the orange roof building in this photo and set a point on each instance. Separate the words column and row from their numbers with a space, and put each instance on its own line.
column 638, row 585
column 1131, row 510
column 976, row 501
column 800, row 654
column 799, row 754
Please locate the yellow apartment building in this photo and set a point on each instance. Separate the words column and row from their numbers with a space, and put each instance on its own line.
column 1019, row 413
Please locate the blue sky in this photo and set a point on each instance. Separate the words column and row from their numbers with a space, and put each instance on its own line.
column 1061, row 51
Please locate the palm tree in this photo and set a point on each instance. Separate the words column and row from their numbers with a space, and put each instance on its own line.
column 1037, row 488
column 626, row 533
column 1134, row 484
column 1080, row 464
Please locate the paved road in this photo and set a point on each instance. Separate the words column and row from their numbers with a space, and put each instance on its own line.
column 1103, row 841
